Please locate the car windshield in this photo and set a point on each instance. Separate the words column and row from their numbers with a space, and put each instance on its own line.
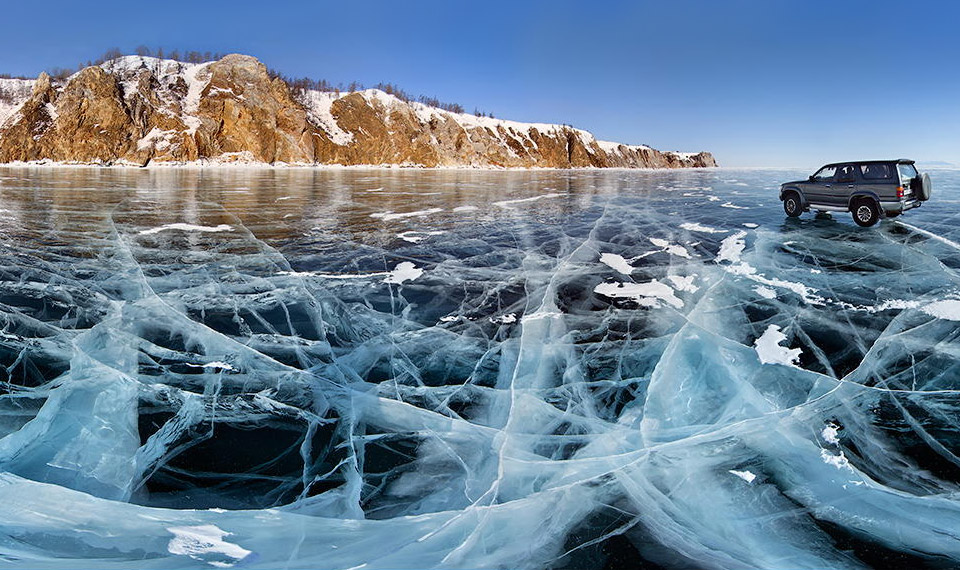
column 907, row 171
column 825, row 173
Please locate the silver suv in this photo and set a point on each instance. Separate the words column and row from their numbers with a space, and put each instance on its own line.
column 868, row 189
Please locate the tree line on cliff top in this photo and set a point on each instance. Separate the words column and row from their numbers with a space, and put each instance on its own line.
column 299, row 85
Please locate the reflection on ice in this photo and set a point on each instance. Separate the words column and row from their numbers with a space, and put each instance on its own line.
column 385, row 369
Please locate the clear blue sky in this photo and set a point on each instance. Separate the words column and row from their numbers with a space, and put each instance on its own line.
column 757, row 82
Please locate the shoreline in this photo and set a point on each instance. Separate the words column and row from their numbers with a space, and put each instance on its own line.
column 213, row 165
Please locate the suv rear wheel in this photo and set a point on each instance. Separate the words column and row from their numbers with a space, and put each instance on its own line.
column 791, row 204
column 865, row 212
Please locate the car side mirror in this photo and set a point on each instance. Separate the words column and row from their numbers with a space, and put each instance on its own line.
column 811, row 179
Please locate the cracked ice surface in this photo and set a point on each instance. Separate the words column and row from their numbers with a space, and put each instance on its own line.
column 577, row 369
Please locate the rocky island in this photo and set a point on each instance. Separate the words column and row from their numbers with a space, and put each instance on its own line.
column 140, row 111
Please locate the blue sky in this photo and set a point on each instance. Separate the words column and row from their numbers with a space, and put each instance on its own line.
column 757, row 82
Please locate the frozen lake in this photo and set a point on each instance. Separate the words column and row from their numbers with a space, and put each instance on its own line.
column 464, row 369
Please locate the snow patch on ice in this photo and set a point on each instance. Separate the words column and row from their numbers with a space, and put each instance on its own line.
column 200, row 542
column 187, row 228
column 948, row 309
column 694, row 227
column 215, row 364
column 388, row 216
column 672, row 249
column 839, row 461
column 765, row 292
column 830, row 434
column 644, row 294
column 414, row 236
column 616, row 262
column 769, row 350
column 511, row 203
column 683, row 283
column 745, row 475
column 507, row 319
column 731, row 248
column 404, row 271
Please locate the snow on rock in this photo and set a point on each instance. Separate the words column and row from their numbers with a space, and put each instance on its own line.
column 13, row 93
column 318, row 105
column 769, row 350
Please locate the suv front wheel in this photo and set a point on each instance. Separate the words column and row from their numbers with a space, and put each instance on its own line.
column 866, row 212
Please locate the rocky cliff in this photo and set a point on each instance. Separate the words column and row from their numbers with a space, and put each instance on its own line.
column 140, row 110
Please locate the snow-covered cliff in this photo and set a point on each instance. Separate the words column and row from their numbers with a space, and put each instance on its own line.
column 138, row 110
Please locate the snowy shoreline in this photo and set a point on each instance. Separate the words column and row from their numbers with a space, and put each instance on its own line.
column 202, row 164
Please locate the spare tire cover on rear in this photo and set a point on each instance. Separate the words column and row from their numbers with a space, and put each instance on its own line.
column 926, row 187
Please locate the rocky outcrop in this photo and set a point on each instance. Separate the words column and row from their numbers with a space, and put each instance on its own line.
column 138, row 110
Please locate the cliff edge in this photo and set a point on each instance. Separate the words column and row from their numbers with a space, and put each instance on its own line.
column 140, row 110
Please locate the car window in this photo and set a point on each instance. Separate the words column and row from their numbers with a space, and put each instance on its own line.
column 876, row 171
column 907, row 171
column 846, row 173
column 825, row 174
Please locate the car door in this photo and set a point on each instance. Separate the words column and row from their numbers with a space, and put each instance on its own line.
column 844, row 186
column 819, row 187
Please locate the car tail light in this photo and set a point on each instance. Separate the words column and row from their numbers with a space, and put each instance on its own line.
column 899, row 191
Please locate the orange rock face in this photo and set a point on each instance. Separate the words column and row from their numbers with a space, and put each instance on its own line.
column 139, row 110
